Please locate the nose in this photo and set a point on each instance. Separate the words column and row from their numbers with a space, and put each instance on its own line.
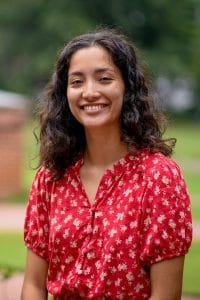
column 90, row 91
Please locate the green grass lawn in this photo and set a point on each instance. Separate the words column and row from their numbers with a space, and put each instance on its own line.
column 13, row 252
column 192, row 268
column 188, row 141
column 187, row 154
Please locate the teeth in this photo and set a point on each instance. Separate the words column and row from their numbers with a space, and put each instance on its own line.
column 93, row 107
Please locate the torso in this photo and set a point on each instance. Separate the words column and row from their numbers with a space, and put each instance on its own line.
column 98, row 249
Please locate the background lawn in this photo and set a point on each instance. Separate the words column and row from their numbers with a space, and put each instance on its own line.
column 187, row 154
column 12, row 258
column 191, row 278
column 12, row 252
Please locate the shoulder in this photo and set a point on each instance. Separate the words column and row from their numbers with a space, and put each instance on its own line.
column 42, row 176
column 156, row 170
column 157, row 165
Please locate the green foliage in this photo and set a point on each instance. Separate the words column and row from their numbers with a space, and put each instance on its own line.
column 32, row 32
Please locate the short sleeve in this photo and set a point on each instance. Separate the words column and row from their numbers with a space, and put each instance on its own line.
column 36, row 226
column 166, row 224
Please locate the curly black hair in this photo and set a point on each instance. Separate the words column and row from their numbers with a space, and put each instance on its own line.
column 62, row 137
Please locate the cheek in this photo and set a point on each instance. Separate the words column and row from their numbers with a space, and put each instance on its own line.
column 118, row 96
column 71, row 97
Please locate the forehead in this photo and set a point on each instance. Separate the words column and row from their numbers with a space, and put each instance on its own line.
column 93, row 56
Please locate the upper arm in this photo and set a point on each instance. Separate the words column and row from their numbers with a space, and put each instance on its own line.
column 35, row 276
column 166, row 279
column 166, row 223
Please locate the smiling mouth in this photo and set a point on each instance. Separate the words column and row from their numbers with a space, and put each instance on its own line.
column 94, row 107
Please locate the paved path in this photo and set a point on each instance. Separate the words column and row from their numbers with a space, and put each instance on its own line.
column 12, row 219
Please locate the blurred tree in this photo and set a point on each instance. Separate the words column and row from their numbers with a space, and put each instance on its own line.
column 195, row 45
column 163, row 28
column 32, row 32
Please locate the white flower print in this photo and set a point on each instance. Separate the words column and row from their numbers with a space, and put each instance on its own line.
column 33, row 208
column 164, row 234
column 120, row 216
column 133, row 224
column 147, row 221
column 127, row 192
column 73, row 244
column 132, row 253
column 182, row 214
column 123, row 228
column 69, row 259
column 74, row 203
column 156, row 175
column 87, row 271
column 122, row 267
column 66, row 233
column 68, row 218
column 98, row 264
column 78, row 268
column 172, row 224
column 103, row 275
column 130, row 276
column 161, row 218
column 118, row 282
column 112, row 232
column 90, row 255
column 182, row 232
column 105, row 222
column 138, row 287
column 165, row 180
column 157, row 190
column 77, row 222
column 129, row 240
column 99, row 251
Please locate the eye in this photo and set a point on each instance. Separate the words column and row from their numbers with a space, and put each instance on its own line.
column 75, row 82
column 105, row 79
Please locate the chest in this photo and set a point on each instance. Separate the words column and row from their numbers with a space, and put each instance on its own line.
column 107, row 201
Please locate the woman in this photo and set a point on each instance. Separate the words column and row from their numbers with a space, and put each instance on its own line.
column 108, row 214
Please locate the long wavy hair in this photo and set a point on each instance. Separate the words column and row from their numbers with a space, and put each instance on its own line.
column 62, row 137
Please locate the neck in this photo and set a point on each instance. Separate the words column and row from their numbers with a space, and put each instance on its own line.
column 104, row 148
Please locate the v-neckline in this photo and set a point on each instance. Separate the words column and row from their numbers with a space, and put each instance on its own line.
column 114, row 171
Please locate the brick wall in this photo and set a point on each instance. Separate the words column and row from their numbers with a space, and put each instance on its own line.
column 11, row 150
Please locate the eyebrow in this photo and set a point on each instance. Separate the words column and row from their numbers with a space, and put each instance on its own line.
column 97, row 71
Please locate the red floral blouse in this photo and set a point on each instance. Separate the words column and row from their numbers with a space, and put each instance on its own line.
column 141, row 215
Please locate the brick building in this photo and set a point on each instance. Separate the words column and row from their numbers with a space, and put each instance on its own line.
column 13, row 114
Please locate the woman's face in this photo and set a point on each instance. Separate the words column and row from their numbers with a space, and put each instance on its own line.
column 95, row 88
